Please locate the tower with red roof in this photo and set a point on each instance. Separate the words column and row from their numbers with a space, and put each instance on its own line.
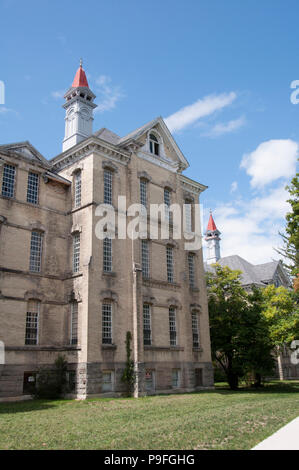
column 79, row 108
column 213, row 241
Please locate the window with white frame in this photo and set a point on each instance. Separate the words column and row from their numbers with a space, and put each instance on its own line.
column 77, row 189
column 145, row 262
column 107, row 186
column 169, row 263
column 36, row 245
column 167, row 202
column 107, row 255
column 76, row 252
column 147, row 331
column 154, row 144
column 188, row 216
column 107, row 381
column 172, row 326
column 191, row 266
column 8, row 180
column 32, row 188
column 32, row 321
column 195, row 329
column 107, row 323
column 74, row 323
column 175, row 378
column 143, row 192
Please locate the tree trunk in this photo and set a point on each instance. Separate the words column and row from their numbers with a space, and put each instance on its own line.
column 233, row 380
column 258, row 380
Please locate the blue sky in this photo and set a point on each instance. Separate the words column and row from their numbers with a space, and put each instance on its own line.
column 227, row 64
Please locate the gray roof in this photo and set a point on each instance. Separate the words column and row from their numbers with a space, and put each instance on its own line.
column 139, row 131
column 266, row 271
column 258, row 275
column 108, row 136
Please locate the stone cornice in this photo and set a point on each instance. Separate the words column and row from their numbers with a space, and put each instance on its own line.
column 83, row 149
column 159, row 161
column 192, row 186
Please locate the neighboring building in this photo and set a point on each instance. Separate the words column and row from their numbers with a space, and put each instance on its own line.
column 64, row 291
column 259, row 275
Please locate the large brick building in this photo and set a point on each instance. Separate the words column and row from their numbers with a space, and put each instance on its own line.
column 65, row 291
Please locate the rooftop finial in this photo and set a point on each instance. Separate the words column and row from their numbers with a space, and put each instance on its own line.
column 81, row 62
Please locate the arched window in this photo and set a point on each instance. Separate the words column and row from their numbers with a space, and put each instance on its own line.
column 154, row 144
column 74, row 323
column 32, row 321
column 76, row 252
column 77, row 192
column 195, row 329
column 147, row 329
column 106, row 322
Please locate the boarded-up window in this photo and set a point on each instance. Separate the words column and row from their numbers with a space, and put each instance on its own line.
column 198, row 378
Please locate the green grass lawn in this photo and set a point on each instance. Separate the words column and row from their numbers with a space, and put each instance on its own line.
column 218, row 419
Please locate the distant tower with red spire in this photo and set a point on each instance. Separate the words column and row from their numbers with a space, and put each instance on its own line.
column 213, row 241
column 79, row 108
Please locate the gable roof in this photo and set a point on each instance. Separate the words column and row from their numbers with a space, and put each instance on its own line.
column 25, row 150
column 249, row 274
column 133, row 136
column 257, row 274
column 266, row 271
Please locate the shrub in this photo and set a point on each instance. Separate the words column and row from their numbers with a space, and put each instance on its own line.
column 52, row 383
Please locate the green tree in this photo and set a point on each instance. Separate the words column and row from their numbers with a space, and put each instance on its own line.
column 52, row 383
column 128, row 376
column 290, row 249
column 281, row 312
column 239, row 333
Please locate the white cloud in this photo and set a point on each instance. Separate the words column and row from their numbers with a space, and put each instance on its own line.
column 109, row 94
column 58, row 94
column 202, row 107
column 4, row 110
column 234, row 186
column 249, row 228
column 270, row 161
column 226, row 127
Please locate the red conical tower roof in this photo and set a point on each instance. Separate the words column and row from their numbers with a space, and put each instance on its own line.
column 211, row 224
column 80, row 78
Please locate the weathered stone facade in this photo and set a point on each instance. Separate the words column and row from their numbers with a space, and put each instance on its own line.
column 57, row 216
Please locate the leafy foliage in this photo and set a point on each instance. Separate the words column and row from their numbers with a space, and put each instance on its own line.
column 290, row 250
column 52, row 383
column 281, row 312
column 128, row 376
column 239, row 332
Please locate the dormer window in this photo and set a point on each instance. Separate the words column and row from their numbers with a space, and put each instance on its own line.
column 154, row 144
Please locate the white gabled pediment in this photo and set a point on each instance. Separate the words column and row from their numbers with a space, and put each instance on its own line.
column 25, row 149
column 169, row 155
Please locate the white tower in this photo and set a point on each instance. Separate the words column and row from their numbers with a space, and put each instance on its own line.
column 79, row 110
column 213, row 241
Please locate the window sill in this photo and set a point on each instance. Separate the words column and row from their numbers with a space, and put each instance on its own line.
column 199, row 349
column 110, row 347
column 109, row 274
column 37, row 347
column 194, row 289
column 164, row 348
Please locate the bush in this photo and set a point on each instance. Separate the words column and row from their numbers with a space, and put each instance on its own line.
column 52, row 383
column 219, row 375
